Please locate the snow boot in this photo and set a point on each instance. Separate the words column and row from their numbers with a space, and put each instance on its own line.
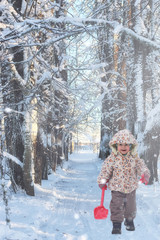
column 116, row 228
column 129, row 225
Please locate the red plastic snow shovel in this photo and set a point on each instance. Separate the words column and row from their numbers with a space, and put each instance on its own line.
column 101, row 212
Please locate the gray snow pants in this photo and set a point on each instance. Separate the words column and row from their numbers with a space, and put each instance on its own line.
column 123, row 205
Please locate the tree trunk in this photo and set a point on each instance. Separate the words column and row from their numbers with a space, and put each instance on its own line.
column 151, row 152
column 38, row 159
column 106, row 54
column 61, row 103
column 28, row 160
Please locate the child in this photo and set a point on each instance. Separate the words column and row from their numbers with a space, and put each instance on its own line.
column 122, row 170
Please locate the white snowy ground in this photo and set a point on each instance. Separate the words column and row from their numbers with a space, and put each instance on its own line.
column 63, row 207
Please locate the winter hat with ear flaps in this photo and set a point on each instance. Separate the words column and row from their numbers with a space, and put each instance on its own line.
column 123, row 137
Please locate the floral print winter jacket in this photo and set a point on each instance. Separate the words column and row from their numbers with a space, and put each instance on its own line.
column 123, row 172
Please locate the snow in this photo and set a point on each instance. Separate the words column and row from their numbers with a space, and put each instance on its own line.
column 63, row 207
column 8, row 110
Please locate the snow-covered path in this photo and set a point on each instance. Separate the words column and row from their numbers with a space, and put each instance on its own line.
column 63, row 207
column 76, row 201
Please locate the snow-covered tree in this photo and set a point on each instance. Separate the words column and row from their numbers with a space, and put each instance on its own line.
column 135, row 44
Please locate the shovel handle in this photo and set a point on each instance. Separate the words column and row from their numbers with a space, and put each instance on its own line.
column 102, row 196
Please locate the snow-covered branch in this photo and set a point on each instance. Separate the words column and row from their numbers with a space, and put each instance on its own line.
column 81, row 25
column 13, row 158
column 140, row 38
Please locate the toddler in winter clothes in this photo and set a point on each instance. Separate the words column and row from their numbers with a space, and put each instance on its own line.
column 122, row 170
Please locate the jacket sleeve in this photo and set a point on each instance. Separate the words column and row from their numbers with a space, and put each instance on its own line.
column 106, row 170
column 141, row 168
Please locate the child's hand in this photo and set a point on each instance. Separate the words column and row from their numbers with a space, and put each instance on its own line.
column 102, row 186
column 145, row 178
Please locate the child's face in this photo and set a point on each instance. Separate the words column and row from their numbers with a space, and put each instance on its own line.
column 123, row 148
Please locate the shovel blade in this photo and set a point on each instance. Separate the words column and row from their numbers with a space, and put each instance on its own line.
column 100, row 212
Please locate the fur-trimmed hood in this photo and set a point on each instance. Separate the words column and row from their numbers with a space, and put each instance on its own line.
column 123, row 137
